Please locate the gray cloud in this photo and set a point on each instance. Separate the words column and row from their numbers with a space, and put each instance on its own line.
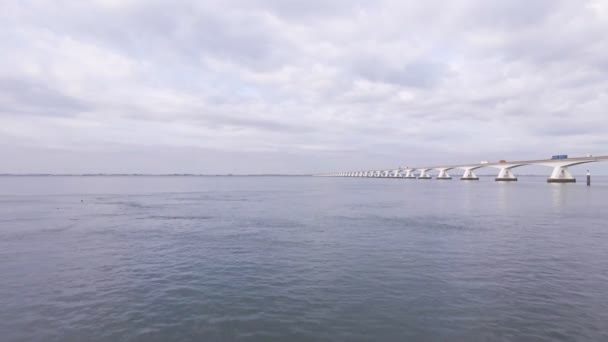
column 422, row 73
column 21, row 96
column 298, row 86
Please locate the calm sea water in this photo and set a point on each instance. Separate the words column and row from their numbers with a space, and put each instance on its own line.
column 301, row 259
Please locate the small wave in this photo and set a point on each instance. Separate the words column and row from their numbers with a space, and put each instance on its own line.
column 177, row 217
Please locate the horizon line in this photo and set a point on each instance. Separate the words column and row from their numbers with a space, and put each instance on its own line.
column 199, row 175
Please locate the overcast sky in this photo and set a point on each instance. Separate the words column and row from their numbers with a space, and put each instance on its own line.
column 271, row 86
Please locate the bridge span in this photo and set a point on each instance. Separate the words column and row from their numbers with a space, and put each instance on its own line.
column 560, row 173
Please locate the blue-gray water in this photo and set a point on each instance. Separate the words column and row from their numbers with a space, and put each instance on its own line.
column 301, row 259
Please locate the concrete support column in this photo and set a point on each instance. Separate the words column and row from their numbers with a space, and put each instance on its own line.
column 561, row 174
column 505, row 175
column 443, row 174
column 469, row 175
column 409, row 174
column 424, row 174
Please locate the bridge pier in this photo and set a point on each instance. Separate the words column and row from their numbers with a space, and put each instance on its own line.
column 409, row 174
column 424, row 174
column 443, row 174
column 505, row 175
column 561, row 174
column 469, row 175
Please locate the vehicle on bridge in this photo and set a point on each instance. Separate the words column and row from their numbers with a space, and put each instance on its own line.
column 484, row 162
column 560, row 156
column 502, row 161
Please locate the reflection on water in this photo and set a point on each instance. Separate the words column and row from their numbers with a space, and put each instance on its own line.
column 559, row 193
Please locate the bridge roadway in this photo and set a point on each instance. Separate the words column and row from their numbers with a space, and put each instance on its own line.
column 560, row 173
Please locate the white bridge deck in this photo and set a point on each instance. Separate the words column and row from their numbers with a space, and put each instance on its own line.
column 574, row 160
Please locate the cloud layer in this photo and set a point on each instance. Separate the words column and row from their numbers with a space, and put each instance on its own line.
column 270, row 86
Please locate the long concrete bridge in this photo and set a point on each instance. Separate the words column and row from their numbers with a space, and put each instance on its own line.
column 560, row 173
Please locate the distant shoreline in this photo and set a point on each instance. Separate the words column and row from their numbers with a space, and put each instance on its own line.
column 140, row 175
column 203, row 175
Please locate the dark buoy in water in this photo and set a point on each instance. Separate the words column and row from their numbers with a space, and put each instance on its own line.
column 588, row 178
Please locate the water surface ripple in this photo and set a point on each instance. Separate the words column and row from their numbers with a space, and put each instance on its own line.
column 301, row 259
